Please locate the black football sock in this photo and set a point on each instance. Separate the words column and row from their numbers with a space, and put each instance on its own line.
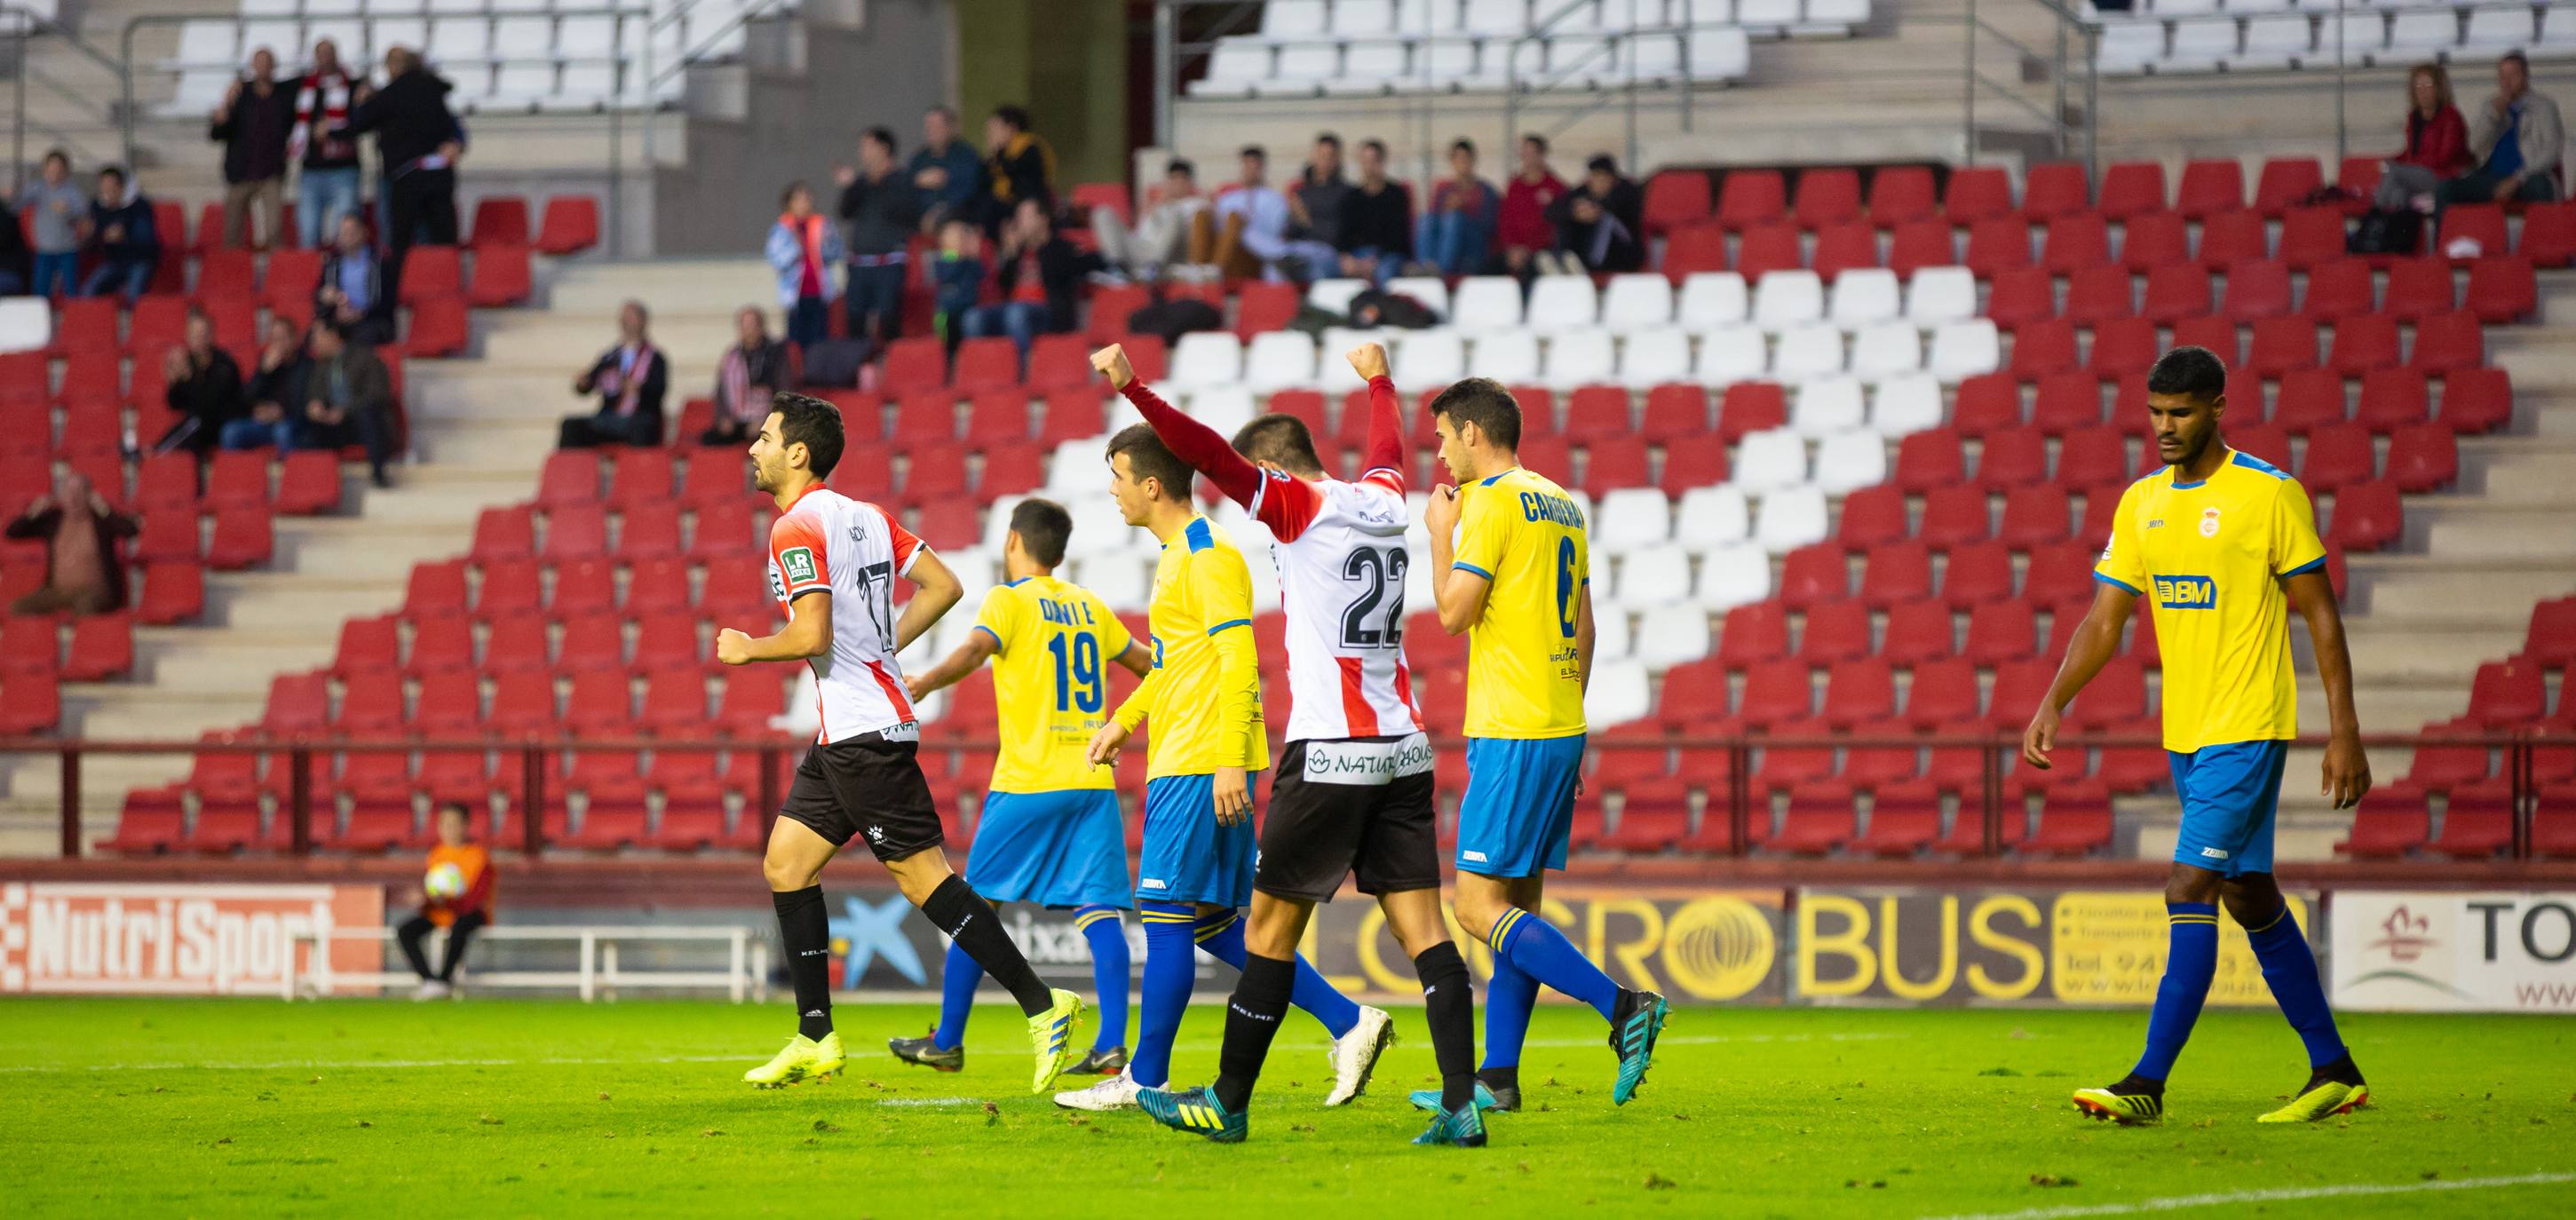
column 969, row 920
column 2135, row 1085
column 1449, row 1005
column 1499, row 1078
column 807, row 932
column 1252, row 1019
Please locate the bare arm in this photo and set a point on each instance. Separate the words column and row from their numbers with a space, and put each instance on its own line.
column 953, row 668
column 935, row 590
column 1137, row 659
column 1460, row 594
column 808, row 633
column 2094, row 643
column 1583, row 635
column 2347, row 770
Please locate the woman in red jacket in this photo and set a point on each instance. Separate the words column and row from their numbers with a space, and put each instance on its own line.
column 2437, row 144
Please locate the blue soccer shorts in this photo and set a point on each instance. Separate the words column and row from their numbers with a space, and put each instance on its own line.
column 2229, row 796
column 1056, row 849
column 1518, row 810
column 1188, row 857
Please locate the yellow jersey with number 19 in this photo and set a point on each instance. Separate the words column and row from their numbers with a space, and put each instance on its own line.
column 1522, row 533
column 2209, row 557
column 1053, row 644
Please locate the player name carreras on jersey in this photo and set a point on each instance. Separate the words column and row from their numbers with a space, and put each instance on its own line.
column 1367, row 763
column 1539, row 506
column 2186, row 592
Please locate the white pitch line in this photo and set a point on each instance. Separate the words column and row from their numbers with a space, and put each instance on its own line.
column 281, row 1065
column 2283, row 1194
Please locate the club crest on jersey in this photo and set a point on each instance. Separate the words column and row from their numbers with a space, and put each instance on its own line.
column 2186, row 592
column 2209, row 522
column 798, row 562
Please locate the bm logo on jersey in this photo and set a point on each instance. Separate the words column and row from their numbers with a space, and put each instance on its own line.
column 2186, row 592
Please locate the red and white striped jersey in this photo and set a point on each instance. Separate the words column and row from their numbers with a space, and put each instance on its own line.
column 853, row 550
column 1342, row 567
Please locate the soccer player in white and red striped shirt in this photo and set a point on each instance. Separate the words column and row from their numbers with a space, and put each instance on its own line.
column 1353, row 790
column 833, row 561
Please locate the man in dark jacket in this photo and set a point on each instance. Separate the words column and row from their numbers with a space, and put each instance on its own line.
column 1018, row 165
column 253, row 125
column 1598, row 224
column 630, row 379
column 1041, row 278
column 205, row 386
column 349, row 397
column 80, row 530
column 122, row 232
column 1377, row 221
column 749, row 373
column 946, row 170
column 880, row 209
column 417, row 147
column 351, row 296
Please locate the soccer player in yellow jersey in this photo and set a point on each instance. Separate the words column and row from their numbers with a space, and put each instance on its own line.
column 1510, row 566
column 1049, row 831
column 1204, row 699
column 2214, row 539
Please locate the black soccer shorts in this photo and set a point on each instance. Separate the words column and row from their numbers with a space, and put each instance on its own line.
column 1352, row 805
column 866, row 786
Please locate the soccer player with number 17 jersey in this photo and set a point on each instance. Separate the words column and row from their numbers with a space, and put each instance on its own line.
column 1511, row 565
column 1353, row 791
column 2215, row 538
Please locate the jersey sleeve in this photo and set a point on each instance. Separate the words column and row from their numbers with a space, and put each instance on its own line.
column 1481, row 530
column 1221, row 587
column 797, row 551
column 1114, row 639
column 1224, row 593
column 2295, row 545
column 999, row 617
column 1286, row 504
column 1385, row 452
column 906, row 548
column 2121, row 563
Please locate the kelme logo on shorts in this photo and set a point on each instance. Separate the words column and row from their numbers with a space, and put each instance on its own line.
column 799, row 562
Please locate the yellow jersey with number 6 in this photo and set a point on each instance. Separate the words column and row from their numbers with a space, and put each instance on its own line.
column 1053, row 645
column 1522, row 533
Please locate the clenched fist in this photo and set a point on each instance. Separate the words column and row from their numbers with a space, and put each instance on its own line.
column 1112, row 363
column 1368, row 360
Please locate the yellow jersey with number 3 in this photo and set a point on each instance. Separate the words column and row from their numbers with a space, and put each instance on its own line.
column 1525, row 536
column 1053, row 645
column 2209, row 557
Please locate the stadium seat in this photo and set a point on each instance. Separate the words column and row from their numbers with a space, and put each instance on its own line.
column 1917, row 245
column 1901, row 193
column 1844, row 248
column 1674, row 198
column 2132, row 188
column 2476, row 400
column 1751, row 196
column 2209, row 187
column 571, row 225
column 2447, row 341
column 2388, row 824
column 502, row 277
column 2312, row 235
column 2049, row 191
column 2022, row 296
column 2502, row 289
column 2181, row 290
column 2282, row 346
column 1998, row 244
column 2419, row 288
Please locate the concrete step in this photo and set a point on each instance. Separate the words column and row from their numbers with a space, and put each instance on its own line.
column 671, row 288
column 2539, row 473
column 691, row 341
column 2467, row 528
column 2386, row 652
column 318, row 602
column 2422, row 586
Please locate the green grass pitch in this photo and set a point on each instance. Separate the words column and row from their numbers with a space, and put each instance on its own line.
column 253, row 1107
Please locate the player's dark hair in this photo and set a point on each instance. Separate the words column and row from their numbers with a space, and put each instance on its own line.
column 1182, row 166
column 113, row 172
column 1044, row 527
column 1149, row 458
column 813, row 423
column 1282, row 439
column 1256, row 152
column 1484, row 402
column 1016, row 116
column 455, row 807
column 882, row 137
column 2193, row 372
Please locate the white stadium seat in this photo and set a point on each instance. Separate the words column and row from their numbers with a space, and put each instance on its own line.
column 26, row 325
column 1653, row 357
column 1371, row 68
column 1429, row 359
column 1334, row 295
column 1902, row 405
column 1769, row 459
column 1363, row 16
column 1562, row 303
column 2200, row 46
column 1097, row 527
column 1655, row 576
column 1768, row 16
column 1617, row 694
column 208, row 44
column 1293, row 19
column 1825, row 407
column 1206, row 358
column 1809, row 353
column 1121, row 580
column 1941, row 294
column 1732, row 576
column 2182, row 8
column 1494, row 16
column 2129, row 48
column 1611, row 637
column 1888, row 349
column 2275, row 41
column 2424, row 30
column 2557, row 33
column 1431, row 290
column 1961, row 350
column 1224, row 408
column 2364, row 35
column 1279, row 360
column 1785, row 299
column 1791, row 517
column 1233, row 68
column 1711, row 516
column 1301, row 69
column 1632, row 518
column 2497, row 29
column 1580, row 358
column 1864, row 295
column 1671, row 635
column 1637, row 301
column 1719, row 53
column 1486, row 302
column 1510, row 357
column 1849, row 461
column 1712, row 299
column 1732, row 354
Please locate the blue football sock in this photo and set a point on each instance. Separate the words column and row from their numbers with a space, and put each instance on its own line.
column 1171, row 969
column 1509, row 996
column 957, row 979
column 1540, row 951
column 1108, row 936
column 2290, row 969
column 1222, row 936
column 2191, row 961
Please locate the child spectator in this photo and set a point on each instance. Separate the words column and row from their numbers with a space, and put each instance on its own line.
column 456, row 894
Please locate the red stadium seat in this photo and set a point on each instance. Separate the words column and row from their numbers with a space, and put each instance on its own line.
column 2338, row 455
column 2482, row 223
column 2339, row 289
column 2074, row 820
column 1844, row 246
column 1672, row 412
column 2446, row 342
column 1675, row 198
column 1776, row 691
column 1750, row 197
column 1692, row 249
column 1917, row 631
column 2419, row 288
column 1751, row 406
column 242, row 538
column 501, row 276
column 2265, row 441
column 2548, row 233
column 1835, row 631
column 2507, row 694
column 429, row 272
column 1929, row 459
column 1986, row 402
column 2123, row 349
column 1977, row 192
column 1827, row 196
column 1769, row 247
column 167, row 535
column 2075, row 242
column 2058, row 188
column 2208, row 188
column 1749, row 633
column 2157, row 239
column 569, row 477
column 2282, row 346
column 2043, row 348
column 982, row 365
column 499, row 220
column 2065, row 402
column 2182, row 291
column 1899, row 193
column 2363, row 343
column 1859, row 690
column 1944, row 691
column 2389, row 823
column 2021, row 296
column 2012, row 455
column 517, row 644
column 2096, row 295
column 2502, row 289
column 1914, row 245
column 2284, row 182
column 1896, row 572
column 2367, row 516
column 102, row 647
column 2392, row 399
column 2476, row 400
column 2217, row 334
column 172, row 593
column 1999, row 244
column 1812, row 574
column 2132, row 188
column 2312, row 235
column 2034, row 515
column 2257, row 289
column 2475, row 825
column 1953, row 515
column 571, row 224
column 2423, row 457
column 2227, row 239
column 576, row 531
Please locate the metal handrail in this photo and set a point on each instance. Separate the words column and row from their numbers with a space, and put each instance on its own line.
column 297, row 804
column 34, row 25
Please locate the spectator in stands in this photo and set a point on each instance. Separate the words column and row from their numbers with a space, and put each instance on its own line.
column 455, row 894
column 1598, row 225
column 58, row 208
column 124, row 238
column 882, row 209
column 1457, row 228
column 754, row 368
column 253, row 124
column 1316, row 205
column 1525, row 231
column 1041, row 279
column 1377, row 221
column 17, row 261
column 1165, row 230
column 957, row 281
column 205, row 389
column 80, row 530
column 323, row 147
column 1018, row 165
column 2437, row 143
column 1252, row 229
column 629, row 379
column 2517, row 139
column 947, row 170
column 276, row 391
column 351, row 295
column 803, row 249
column 417, row 145
column 349, row 400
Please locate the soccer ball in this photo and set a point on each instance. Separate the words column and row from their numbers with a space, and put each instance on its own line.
column 444, row 882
